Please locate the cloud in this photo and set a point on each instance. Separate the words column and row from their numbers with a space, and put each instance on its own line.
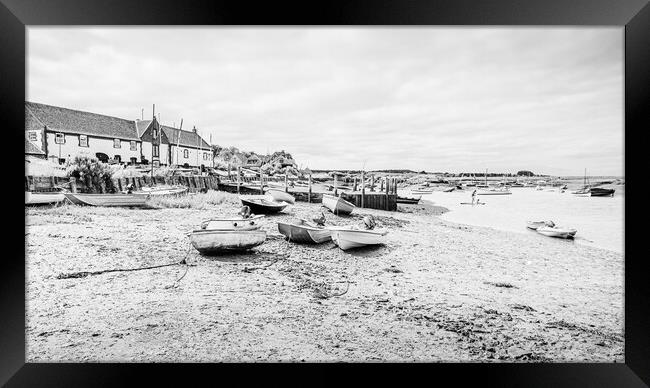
column 454, row 99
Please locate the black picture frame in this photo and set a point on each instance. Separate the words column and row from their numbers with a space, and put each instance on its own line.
column 633, row 15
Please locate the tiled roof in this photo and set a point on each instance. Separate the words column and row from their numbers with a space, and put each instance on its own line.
column 75, row 121
column 188, row 138
column 32, row 149
column 141, row 126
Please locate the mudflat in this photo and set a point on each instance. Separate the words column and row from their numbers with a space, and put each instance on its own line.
column 436, row 291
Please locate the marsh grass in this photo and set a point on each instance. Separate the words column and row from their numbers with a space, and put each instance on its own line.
column 195, row 201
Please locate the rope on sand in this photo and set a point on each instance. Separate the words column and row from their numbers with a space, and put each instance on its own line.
column 83, row 274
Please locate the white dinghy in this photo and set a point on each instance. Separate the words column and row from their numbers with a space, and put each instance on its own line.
column 556, row 231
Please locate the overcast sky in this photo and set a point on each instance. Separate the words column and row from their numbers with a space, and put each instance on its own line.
column 456, row 99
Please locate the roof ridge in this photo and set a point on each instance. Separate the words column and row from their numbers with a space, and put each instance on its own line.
column 77, row 110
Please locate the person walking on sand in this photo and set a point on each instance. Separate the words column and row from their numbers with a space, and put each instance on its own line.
column 473, row 196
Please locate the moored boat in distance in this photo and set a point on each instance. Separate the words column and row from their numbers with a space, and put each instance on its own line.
column 337, row 205
column 601, row 192
column 260, row 204
column 557, row 231
column 347, row 237
column 35, row 198
column 123, row 200
column 304, row 232
column 494, row 191
column 211, row 242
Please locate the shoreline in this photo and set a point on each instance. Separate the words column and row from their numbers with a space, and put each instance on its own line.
column 436, row 291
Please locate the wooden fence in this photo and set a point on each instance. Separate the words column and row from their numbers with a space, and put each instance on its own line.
column 88, row 185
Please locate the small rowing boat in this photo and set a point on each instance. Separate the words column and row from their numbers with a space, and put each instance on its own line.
column 281, row 196
column 32, row 198
column 262, row 205
column 534, row 225
column 233, row 223
column 156, row 191
column 123, row 200
column 211, row 242
column 349, row 237
column 337, row 205
column 304, row 232
column 556, row 231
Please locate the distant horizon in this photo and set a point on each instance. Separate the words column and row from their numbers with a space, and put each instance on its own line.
column 427, row 98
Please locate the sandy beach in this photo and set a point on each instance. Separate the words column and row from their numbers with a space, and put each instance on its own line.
column 436, row 291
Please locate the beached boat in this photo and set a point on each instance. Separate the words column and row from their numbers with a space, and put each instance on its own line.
column 421, row 191
column 161, row 190
column 557, row 231
column 534, row 225
column 124, row 200
column 281, row 196
column 262, row 205
column 408, row 200
column 32, row 198
column 449, row 189
column 600, row 192
column 233, row 223
column 210, row 242
column 304, row 232
column 337, row 205
column 347, row 237
column 494, row 191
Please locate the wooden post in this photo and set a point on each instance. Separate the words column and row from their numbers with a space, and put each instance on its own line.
column 261, row 183
column 335, row 185
column 238, row 178
column 355, row 184
column 381, row 184
column 286, row 182
column 387, row 191
column 309, row 190
column 363, row 189
column 73, row 184
column 372, row 183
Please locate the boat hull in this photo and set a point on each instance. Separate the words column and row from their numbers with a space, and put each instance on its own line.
column 408, row 200
column 597, row 192
column 352, row 238
column 251, row 223
column 114, row 200
column 556, row 232
column 155, row 192
column 337, row 205
column 42, row 198
column 280, row 196
column 263, row 206
column 212, row 242
column 304, row 234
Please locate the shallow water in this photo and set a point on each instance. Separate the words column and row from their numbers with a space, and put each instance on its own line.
column 599, row 220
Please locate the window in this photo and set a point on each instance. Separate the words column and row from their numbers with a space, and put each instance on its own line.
column 60, row 138
column 186, row 154
column 83, row 141
column 155, row 133
column 117, row 143
column 155, row 150
column 206, row 156
column 33, row 136
column 134, row 145
column 118, row 158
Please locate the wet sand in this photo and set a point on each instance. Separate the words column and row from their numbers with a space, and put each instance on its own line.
column 436, row 291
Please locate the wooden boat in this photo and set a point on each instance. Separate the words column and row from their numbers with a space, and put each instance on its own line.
column 210, row 242
column 408, row 200
column 449, row 189
column 494, row 191
column 262, row 205
column 304, row 232
column 161, row 190
column 281, row 196
column 32, row 198
column 125, row 200
column 337, row 205
column 534, row 225
column 233, row 223
column 600, row 192
column 347, row 237
column 556, row 231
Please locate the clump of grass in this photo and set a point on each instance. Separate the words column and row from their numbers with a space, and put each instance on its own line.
column 195, row 201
